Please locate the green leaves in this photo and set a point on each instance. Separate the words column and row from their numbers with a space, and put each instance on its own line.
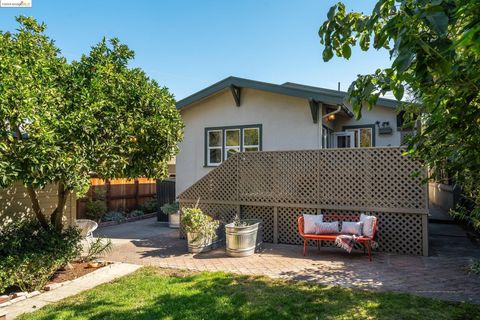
column 403, row 60
column 436, row 55
column 60, row 121
column 327, row 54
column 437, row 19
column 346, row 51
column 398, row 91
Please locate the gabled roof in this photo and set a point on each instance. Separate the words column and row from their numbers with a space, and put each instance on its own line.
column 326, row 96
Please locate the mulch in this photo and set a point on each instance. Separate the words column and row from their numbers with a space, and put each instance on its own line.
column 78, row 269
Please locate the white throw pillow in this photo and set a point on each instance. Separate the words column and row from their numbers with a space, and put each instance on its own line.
column 355, row 228
column 326, row 227
column 368, row 222
column 309, row 221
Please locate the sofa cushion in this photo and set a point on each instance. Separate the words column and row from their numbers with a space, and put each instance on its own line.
column 368, row 222
column 326, row 227
column 355, row 228
column 309, row 221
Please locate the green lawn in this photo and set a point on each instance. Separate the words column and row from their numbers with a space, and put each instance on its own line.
column 153, row 293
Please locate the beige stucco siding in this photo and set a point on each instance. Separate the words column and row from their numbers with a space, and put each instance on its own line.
column 15, row 203
column 286, row 125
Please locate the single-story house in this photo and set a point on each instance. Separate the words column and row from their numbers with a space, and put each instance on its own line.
column 241, row 115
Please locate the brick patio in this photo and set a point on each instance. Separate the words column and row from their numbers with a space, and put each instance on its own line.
column 442, row 275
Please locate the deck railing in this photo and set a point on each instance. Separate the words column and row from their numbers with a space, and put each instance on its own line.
column 276, row 186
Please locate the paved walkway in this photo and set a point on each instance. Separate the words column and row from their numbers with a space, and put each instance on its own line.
column 86, row 282
column 442, row 275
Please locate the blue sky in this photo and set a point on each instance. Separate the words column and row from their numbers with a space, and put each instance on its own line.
column 188, row 45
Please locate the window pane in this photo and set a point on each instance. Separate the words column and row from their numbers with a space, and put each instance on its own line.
column 365, row 137
column 251, row 149
column 215, row 156
column 343, row 142
column 251, row 137
column 215, row 138
column 231, row 151
column 233, row 137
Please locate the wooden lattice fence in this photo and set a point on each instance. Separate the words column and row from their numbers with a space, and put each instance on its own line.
column 276, row 186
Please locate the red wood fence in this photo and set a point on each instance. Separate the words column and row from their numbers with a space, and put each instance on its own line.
column 119, row 194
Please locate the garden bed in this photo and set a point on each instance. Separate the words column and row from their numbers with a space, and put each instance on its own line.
column 77, row 270
column 131, row 219
column 60, row 278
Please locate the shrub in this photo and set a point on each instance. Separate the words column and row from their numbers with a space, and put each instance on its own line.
column 95, row 209
column 97, row 247
column 31, row 254
column 170, row 208
column 195, row 221
column 469, row 215
column 149, row 206
column 136, row 213
column 113, row 216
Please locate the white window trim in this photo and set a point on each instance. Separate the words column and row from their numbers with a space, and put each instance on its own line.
column 238, row 147
column 224, row 149
column 358, row 135
column 343, row 134
column 209, row 163
column 245, row 146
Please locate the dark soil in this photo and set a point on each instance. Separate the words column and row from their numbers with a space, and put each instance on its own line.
column 79, row 269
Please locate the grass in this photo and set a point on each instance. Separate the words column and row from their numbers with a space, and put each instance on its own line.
column 154, row 293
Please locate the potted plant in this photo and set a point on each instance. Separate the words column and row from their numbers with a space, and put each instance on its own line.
column 173, row 212
column 243, row 237
column 201, row 229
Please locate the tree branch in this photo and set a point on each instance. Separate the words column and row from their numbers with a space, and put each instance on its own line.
column 57, row 214
column 36, row 207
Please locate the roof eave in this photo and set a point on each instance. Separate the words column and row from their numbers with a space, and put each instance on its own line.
column 328, row 97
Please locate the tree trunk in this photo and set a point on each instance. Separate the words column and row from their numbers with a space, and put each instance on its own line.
column 57, row 214
column 36, row 207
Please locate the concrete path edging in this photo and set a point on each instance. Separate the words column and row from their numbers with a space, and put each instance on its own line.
column 88, row 281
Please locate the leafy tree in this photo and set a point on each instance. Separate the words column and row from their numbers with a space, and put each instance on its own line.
column 434, row 47
column 62, row 121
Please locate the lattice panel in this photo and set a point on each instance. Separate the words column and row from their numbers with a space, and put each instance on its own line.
column 218, row 184
column 294, row 183
column 256, row 180
column 378, row 178
column 345, row 178
column 393, row 186
column 263, row 213
column 287, row 224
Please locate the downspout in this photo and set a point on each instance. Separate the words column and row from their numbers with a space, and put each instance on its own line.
column 320, row 126
column 333, row 112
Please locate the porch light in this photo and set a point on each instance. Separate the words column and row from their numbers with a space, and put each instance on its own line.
column 331, row 117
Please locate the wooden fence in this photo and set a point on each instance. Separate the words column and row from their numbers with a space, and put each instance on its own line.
column 276, row 186
column 119, row 194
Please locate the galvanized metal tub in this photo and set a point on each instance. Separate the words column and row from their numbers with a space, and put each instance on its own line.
column 174, row 220
column 198, row 243
column 241, row 241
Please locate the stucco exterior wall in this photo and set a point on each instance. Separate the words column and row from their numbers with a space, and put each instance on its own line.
column 286, row 125
column 15, row 203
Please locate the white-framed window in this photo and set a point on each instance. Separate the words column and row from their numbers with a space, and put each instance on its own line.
column 214, row 147
column 232, row 142
column 251, row 139
column 363, row 137
column 222, row 142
